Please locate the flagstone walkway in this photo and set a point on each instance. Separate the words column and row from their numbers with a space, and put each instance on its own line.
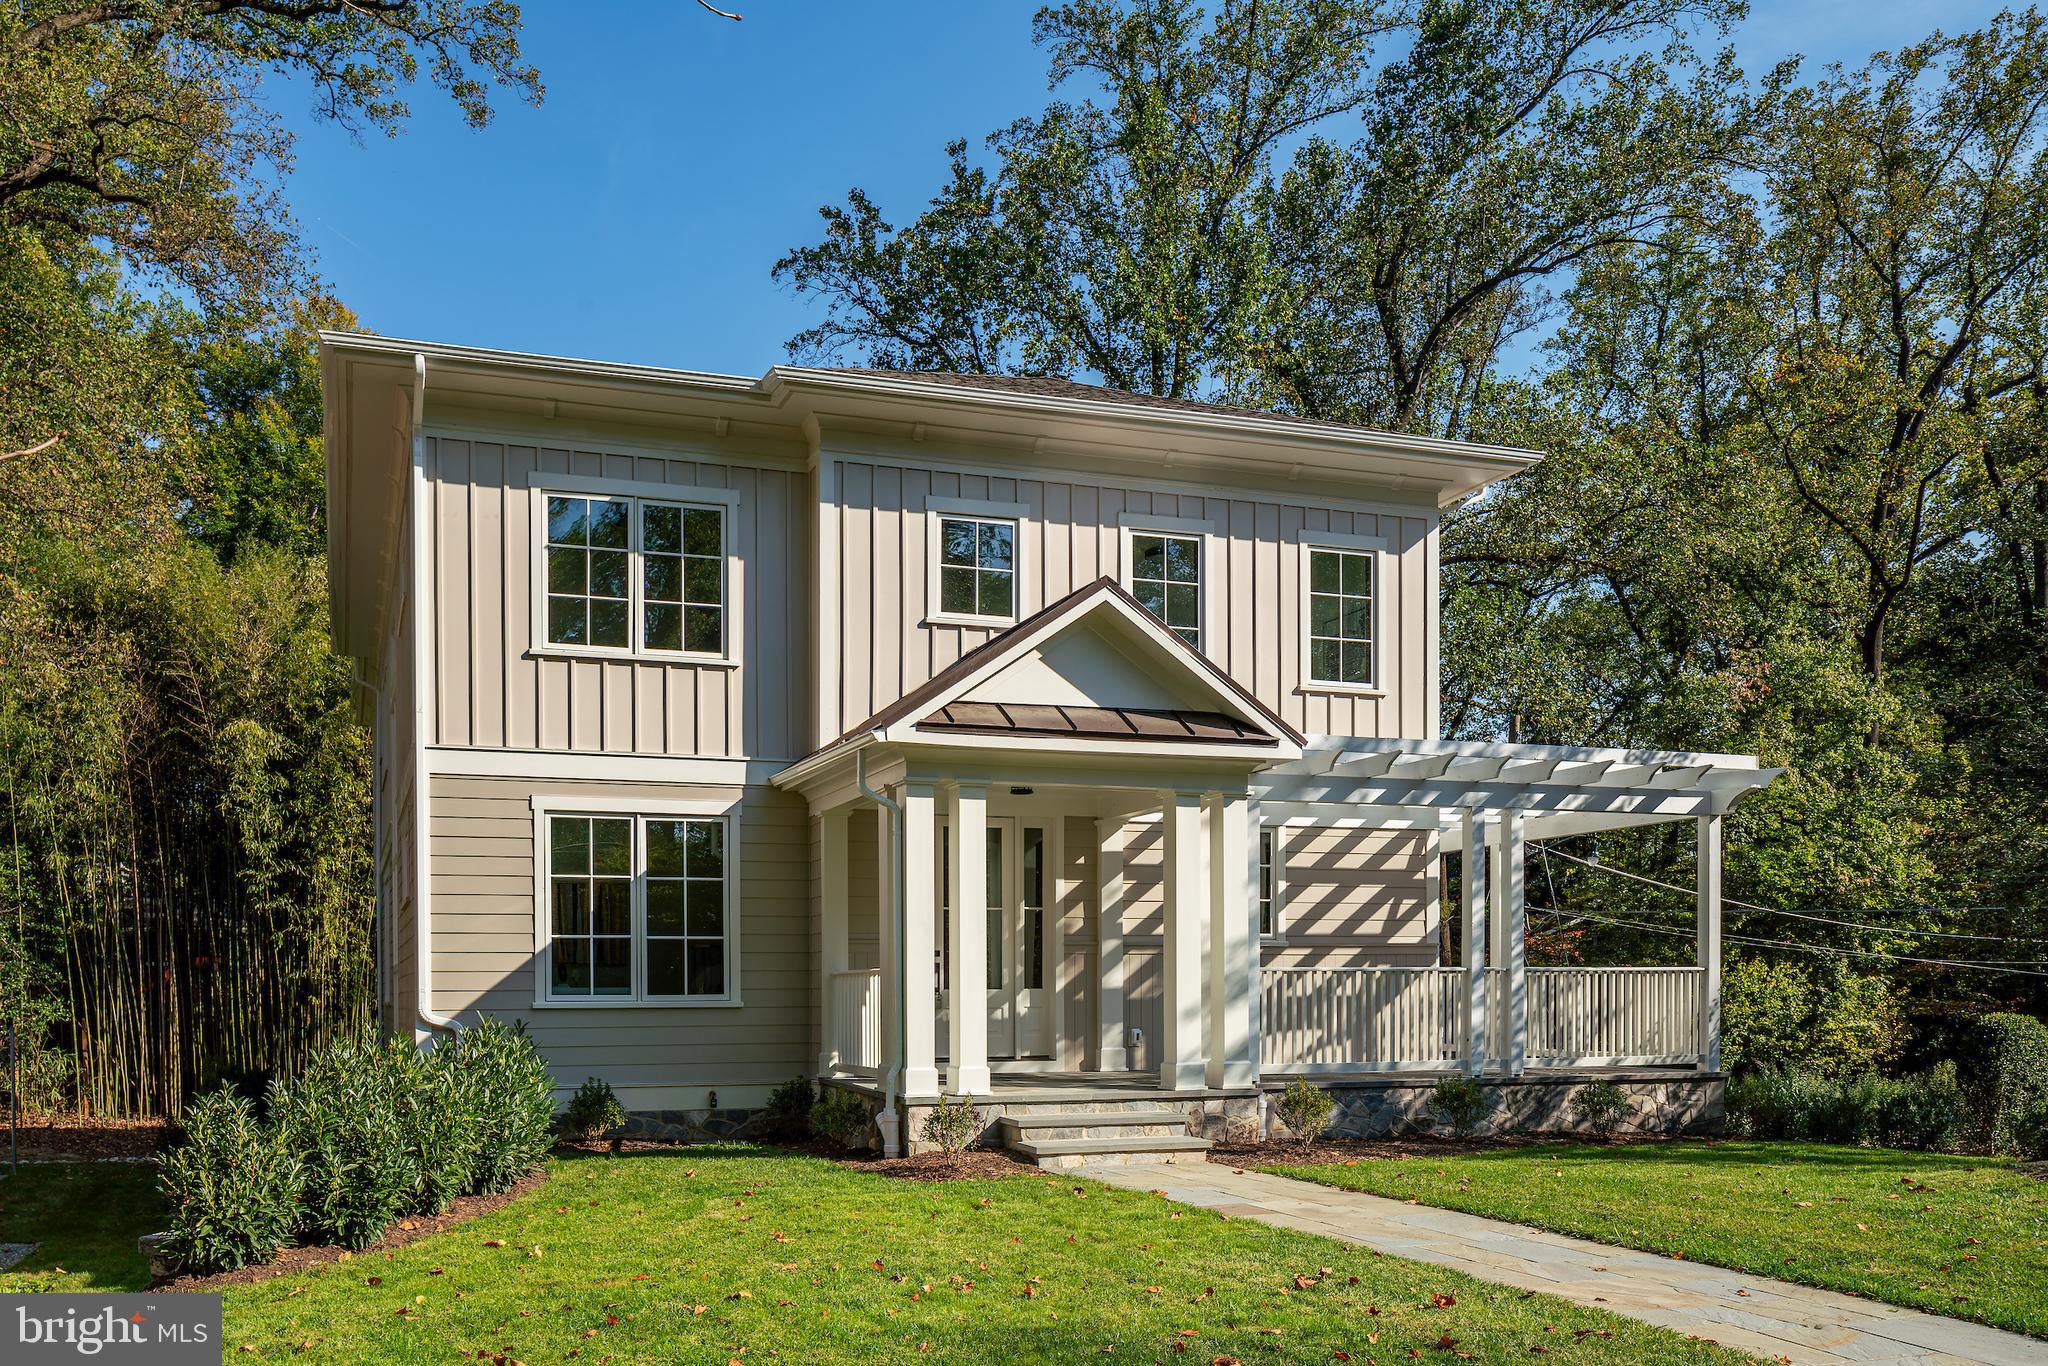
column 1773, row 1319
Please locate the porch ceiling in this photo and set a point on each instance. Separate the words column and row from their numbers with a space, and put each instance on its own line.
column 1560, row 789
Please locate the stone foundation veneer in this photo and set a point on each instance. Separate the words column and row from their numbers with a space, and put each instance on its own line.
column 1679, row 1103
column 1673, row 1103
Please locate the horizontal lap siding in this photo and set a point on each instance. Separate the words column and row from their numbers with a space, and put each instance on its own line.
column 490, row 691
column 482, row 831
column 886, row 649
column 1357, row 898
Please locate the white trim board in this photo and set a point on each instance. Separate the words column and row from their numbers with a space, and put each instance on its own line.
column 582, row 766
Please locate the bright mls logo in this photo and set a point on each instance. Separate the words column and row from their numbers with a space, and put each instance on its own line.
column 168, row 1330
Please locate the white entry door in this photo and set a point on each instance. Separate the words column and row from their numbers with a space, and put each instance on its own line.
column 1019, row 1003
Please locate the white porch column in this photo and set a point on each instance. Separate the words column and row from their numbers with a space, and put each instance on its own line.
column 1256, row 951
column 885, row 906
column 1233, row 975
column 967, row 936
column 1707, row 913
column 1180, row 1033
column 1472, row 943
column 1113, row 1054
column 832, row 950
column 1511, row 914
column 920, row 912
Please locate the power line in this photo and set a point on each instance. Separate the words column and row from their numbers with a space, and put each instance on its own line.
column 1808, row 915
column 1965, row 964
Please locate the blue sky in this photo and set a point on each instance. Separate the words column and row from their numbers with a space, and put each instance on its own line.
column 634, row 215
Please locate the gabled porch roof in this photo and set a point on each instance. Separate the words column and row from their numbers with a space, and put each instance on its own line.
column 1093, row 674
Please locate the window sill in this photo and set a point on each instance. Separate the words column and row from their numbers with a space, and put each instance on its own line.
column 616, row 1003
column 1340, row 690
column 984, row 623
column 629, row 657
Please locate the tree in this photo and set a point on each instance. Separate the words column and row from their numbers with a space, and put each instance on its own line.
column 136, row 123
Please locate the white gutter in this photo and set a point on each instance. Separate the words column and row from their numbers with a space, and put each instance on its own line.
column 889, row 1122
column 422, row 830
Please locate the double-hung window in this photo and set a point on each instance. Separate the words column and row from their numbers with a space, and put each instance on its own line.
column 1166, row 577
column 1340, row 601
column 634, row 575
column 636, row 909
column 1270, row 894
column 977, row 567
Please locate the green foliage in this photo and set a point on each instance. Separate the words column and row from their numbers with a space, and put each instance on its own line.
column 346, row 1118
column 2006, row 1075
column 788, row 1112
column 1602, row 1107
column 1460, row 1102
column 437, row 1100
column 1305, row 1109
column 231, row 1186
column 513, row 1100
column 1920, row 1111
column 1820, row 1018
column 593, row 1112
column 841, row 1117
column 951, row 1125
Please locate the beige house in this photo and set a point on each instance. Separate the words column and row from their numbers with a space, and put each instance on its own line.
column 934, row 734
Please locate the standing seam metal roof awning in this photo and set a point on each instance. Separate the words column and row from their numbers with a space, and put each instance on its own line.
column 1562, row 790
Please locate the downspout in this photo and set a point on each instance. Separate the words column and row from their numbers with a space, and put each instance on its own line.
column 422, row 830
column 888, row 1121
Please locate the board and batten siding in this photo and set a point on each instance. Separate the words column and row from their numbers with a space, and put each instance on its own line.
column 657, row 1057
column 1073, row 536
column 491, row 688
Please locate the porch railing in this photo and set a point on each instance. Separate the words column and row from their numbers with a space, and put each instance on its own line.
column 853, row 1020
column 1413, row 1019
column 1613, row 1017
column 1360, row 1019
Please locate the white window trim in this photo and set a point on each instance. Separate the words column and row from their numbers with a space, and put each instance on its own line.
column 1377, row 545
column 936, row 510
column 722, row 501
column 706, row 807
column 1132, row 523
column 1278, row 830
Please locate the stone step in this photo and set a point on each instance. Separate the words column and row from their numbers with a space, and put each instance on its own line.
column 1053, row 1153
column 1093, row 1124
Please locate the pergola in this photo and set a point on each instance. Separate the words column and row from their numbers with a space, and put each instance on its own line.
column 1485, row 800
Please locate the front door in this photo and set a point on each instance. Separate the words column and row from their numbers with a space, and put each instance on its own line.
column 1019, row 1004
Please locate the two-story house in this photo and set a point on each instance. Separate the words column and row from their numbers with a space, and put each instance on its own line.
column 941, row 734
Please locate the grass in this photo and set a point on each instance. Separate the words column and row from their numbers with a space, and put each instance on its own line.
column 743, row 1254
column 1963, row 1236
column 87, row 1216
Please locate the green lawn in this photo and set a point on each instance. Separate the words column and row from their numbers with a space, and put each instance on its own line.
column 1964, row 1236
column 704, row 1254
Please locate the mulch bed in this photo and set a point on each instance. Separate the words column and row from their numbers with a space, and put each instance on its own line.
column 410, row 1229
column 69, row 1138
column 969, row 1166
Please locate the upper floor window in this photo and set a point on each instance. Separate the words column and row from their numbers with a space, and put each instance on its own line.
column 1340, row 618
column 978, row 567
column 1166, row 577
column 636, row 909
column 635, row 575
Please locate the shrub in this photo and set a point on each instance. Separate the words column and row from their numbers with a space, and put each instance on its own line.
column 344, row 1118
column 842, row 1117
column 788, row 1113
column 512, row 1099
column 952, row 1125
column 1920, row 1111
column 1305, row 1109
column 438, row 1113
column 2006, row 1082
column 593, row 1112
column 232, row 1187
column 1601, row 1107
column 1823, row 1019
column 1461, row 1103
